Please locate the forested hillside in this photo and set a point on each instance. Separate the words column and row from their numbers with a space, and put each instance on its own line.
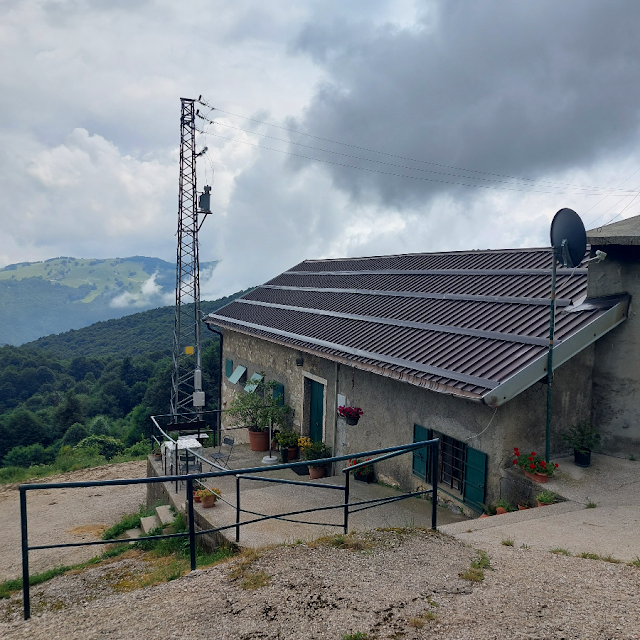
column 146, row 332
column 41, row 298
column 88, row 394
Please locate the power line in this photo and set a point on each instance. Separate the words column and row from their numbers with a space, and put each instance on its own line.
column 389, row 173
column 392, row 155
column 347, row 155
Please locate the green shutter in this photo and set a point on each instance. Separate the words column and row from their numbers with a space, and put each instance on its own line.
column 475, row 475
column 278, row 394
column 238, row 375
column 228, row 367
column 420, row 456
column 252, row 385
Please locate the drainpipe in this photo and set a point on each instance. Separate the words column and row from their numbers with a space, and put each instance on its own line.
column 335, row 411
column 219, row 414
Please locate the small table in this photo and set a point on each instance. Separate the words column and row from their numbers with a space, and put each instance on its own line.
column 184, row 442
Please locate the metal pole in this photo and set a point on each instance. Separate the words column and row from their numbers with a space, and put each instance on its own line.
column 552, row 324
column 192, row 524
column 26, row 600
column 435, row 456
column 237, row 508
column 346, row 502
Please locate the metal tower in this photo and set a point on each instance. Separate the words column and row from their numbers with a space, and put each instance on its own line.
column 187, row 398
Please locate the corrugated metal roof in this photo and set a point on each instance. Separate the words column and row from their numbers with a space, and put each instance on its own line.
column 462, row 322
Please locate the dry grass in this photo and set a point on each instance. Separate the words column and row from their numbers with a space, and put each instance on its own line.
column 242, row 570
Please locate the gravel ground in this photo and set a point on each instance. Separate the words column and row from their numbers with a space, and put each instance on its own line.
column 58, row 516
column 405, row 585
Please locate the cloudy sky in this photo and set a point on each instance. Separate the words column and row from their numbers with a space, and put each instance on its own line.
column 342, row 128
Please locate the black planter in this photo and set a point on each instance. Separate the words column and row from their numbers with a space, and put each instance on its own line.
column 582, row 459
column 368, row 477
column 284, row 454
column 352, row 421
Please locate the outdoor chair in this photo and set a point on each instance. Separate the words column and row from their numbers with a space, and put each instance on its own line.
column 222, row 455
column 188, row 463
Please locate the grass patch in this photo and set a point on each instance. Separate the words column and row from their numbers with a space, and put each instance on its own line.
column 611, row 559
column 130, row 521
column 561, row 551
column 508, row 542
column 242, row 571
column 589, row 556
column 416, row 623
column 255, row 580
column 341, row 541
column 475, row 573
column 635, row 563
column 591, row 504
column 358, row 635
column 9, row 587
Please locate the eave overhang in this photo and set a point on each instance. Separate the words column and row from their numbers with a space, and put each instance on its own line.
column 563, row 351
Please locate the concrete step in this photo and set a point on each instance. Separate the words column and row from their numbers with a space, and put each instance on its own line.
column 149, row 523
column 165, row 515
column 133, row 534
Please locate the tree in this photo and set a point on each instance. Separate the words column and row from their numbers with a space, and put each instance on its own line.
column 75, row 433
column 69, row 412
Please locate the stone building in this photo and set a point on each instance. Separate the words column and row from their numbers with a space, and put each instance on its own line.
column 451, row 345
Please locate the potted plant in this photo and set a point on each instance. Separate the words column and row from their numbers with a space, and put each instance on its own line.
column 258, row 410
column 502, row 506
column 157, row 453
column 488, row 510
column 316, row 451
column 351, row 414
column 533, row 465
column 288, row 443
column 364, row 473
column 546, row 497
column 584, row 439
column 208, row 497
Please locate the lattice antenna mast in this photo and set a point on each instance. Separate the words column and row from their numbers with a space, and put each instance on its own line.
column 187, row 397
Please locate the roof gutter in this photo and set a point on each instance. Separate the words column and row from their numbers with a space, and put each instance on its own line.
column 564, row 350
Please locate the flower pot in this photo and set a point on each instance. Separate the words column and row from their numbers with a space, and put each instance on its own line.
column 352, row 421
column 209, row 501
column 284, row 454
column 500, row 511
column 196, row 498
column 537, row 477
column 316, row 472
column 158, row 456
column 484, row 515
column 582, row 459
column 364, row 477
column 293, row 453
column 258, row 440
column 522, row 508
column 543, row 504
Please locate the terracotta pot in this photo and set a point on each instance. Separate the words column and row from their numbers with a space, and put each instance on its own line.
column 537, row 477
column 500, row 511
column 209, row 501
column 543, row 504
column 258, row 440
column 316, row 472
column 293, row 453
column 521, row 508
column 196, row 498
column 484, row 515
column 157, row 456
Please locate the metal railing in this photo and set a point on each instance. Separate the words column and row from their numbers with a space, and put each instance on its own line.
column 240, row 474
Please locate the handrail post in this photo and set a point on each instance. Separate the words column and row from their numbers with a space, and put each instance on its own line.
column 346, row 502
column 435, row 455
column 192, row 525
column 237, row 508
column 26, row 600
column 175, row 468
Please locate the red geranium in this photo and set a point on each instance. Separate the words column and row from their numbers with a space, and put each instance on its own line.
column 533, row 463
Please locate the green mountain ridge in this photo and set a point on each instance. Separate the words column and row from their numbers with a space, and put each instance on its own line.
column 59, row 294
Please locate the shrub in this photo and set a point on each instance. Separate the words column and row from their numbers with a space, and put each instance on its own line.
column 27, row 456
column 105, row 445
column 141, row 448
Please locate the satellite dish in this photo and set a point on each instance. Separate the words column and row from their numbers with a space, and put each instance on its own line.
column 567, row 227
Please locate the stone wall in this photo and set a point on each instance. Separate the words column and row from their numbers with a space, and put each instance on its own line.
column 616, row 371
column 391, row 408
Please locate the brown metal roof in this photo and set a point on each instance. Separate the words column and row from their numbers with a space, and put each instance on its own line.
column 462, row 323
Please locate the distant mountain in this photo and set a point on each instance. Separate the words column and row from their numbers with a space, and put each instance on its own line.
column 139, row 333
column 50, row 297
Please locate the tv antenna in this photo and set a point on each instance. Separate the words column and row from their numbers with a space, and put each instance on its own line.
column 187, row 396
column 568, row 244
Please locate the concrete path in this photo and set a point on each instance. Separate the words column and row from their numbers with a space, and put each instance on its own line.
column 270, row 499
column 612, row 528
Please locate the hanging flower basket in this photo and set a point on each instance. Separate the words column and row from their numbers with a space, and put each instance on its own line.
column 350, row 414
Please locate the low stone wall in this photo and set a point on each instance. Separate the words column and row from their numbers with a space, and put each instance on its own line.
column 163, row 492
